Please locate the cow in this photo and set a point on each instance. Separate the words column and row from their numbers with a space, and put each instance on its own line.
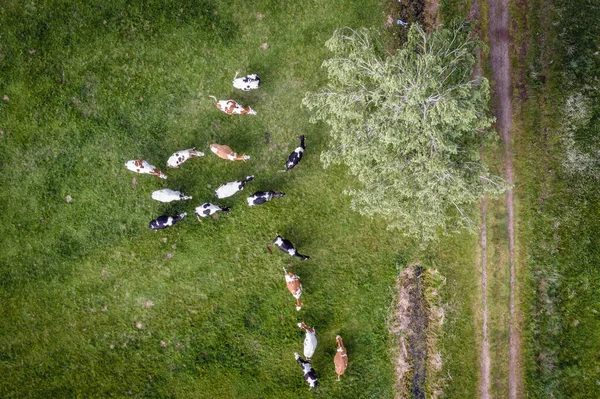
column 230, row 107
column 249, row 82
column 260, row 197
column 341, row 358
column 228, row 189
column 310, row 341
column 180, row 157
column 208, row 209
column 287, row 247
column 162, row 222
column 295, row 156
column 168, row 195
column 225, row 152
column 141, row 166
column 309, row 372
column 293, row 285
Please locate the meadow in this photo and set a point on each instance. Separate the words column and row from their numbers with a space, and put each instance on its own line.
column 559, row 208
column 95, row 304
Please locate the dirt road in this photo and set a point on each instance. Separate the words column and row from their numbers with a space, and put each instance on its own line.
column 498, row 32
column 484, row 353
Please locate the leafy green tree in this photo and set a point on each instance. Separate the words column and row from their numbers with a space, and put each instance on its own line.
column 409, row 126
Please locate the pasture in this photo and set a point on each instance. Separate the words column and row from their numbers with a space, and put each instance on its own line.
column 95, row 304
column 560, row 201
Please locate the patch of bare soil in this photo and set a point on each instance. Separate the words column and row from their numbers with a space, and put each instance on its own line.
column 398, row 17
column 417, row 322
column 416, row 337
column 431, row 14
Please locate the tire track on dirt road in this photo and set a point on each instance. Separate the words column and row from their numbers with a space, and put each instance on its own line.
column 484, row 354
column 498, row 33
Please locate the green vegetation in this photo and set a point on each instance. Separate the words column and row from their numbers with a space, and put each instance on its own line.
column 561, row 198
column 408, row 126
column 89, row 86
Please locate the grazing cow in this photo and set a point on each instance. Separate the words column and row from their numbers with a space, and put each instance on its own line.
column 180, row 157
column 287, row 247
column 228, row 189
column 168, row 195
column 310, row 341
column 208, row 209
column 162, row 222
column 295, row 156
column 223, row 151
column 293, row 285
column 309, row 372
column 341, row 357
column 141, row 166
column 260, row 197
column 230, row 107
column 246, row 83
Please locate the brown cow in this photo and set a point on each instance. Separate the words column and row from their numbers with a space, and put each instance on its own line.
column 293, row 284
column 341, row 358
column 223, row 151
column 230, row 107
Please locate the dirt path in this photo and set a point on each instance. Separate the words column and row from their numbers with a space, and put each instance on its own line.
column 498, row 31
column 484, row 354
column 484, row 359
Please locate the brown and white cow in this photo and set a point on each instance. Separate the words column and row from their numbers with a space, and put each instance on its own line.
column 225, row 152
column 293, row 285
column 230, row 107
column 341, row 357
column 141, row 166
column 310, row 341
column 180, row 157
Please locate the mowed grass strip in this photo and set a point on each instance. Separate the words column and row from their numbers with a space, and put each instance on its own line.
column 93, row 302
column 560, row 210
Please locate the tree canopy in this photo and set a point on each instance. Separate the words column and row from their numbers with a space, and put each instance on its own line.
column 409, row 126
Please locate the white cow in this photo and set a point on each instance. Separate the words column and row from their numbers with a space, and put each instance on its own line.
column 180, row 157
column 229, row 189
column 168, row 195
column 310, row 341
column 246, row 83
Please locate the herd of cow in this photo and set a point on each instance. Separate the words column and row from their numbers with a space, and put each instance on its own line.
column 225, row 190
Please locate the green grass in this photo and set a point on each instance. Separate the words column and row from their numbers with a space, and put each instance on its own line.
column 560, row 211
column 91, row 86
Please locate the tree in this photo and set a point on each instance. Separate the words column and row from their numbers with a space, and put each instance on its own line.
column 409, row 126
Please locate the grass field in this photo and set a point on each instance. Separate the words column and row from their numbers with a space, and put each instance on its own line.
column 89, row 86
column 560, row 208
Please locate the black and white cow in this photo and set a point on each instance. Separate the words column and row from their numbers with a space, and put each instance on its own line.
column 309, row 373
column 162, row 222
column 229, row 189
column 287, row 247
column 295, row 156
column 260, row 197
column 246, row 83
column 208, row 209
